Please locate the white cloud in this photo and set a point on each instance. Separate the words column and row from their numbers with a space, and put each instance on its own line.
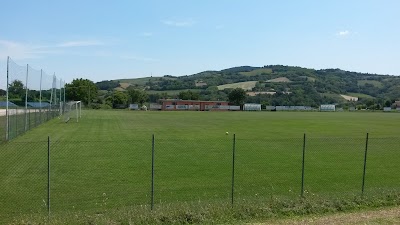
column 17, row 50
column 20, row 50
column 80, row 43
column 343, row 33
column 185, row 23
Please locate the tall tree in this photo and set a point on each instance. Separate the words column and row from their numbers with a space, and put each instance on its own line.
column 137, row 96
column 81, row 90
column 237, row 96
column 189, row 95
column 16, row 89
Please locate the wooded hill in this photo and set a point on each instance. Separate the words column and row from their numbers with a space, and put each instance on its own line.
column 273, row 85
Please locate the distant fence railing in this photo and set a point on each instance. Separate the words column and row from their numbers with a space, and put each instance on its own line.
column 21, row 119
column 40, row 176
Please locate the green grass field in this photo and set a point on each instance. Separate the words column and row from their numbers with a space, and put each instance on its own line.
column 104, row 161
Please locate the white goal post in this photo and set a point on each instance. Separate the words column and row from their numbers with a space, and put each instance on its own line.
column 72, row 110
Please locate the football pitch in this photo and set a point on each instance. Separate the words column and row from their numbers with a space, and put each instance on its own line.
column 104, row 161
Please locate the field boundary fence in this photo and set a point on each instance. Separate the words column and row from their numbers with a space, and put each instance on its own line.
column 93, row 175
column 31, row 98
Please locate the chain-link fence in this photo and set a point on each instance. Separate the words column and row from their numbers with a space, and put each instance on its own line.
column 30, row 97
column 44, row 176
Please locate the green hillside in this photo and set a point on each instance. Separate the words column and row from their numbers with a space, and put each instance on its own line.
column 371, row 82
column 361, row 95
column 257, row 72
column 306, row 86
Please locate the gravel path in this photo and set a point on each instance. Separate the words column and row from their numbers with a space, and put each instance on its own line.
column 379, row 216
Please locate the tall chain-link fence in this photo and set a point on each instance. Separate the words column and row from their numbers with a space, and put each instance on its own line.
column 45, row 176
column 29, row 97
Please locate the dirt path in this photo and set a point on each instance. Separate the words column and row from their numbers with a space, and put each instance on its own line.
column 381, row 216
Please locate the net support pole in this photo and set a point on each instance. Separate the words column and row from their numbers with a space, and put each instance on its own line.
column 26, row 98
column 54, row 95
column 61, row 97
column 55, row 90
column 51, row 99
column 7, row 112
column 64, row 97
column 40, row 97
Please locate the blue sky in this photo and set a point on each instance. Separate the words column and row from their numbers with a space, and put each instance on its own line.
column 102, row 40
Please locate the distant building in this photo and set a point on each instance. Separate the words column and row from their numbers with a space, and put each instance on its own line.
column 327, row 108
column 133, row 106
column 251, row 107
column 195, row 105
column 387, row 109
column 350, row 98
column 155, row 106
column 200, row 84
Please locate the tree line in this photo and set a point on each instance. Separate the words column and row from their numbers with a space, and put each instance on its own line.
column 306, row 87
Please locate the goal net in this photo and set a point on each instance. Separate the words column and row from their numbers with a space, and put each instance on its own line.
column 72, row 110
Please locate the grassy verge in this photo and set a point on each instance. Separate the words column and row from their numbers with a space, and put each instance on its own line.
column 271, row 209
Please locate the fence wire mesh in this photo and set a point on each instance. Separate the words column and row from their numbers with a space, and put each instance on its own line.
column 100, row 175
column 23, row 179
column 192, row 170
column 269, row 167
column 334, row 165
column 383, row 164
column 31, row 98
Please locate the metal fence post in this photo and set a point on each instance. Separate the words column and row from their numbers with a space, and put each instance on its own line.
column 48, row 176
column 26, row 99
column 302, row 168
column 365, row 165
column 7, row 104
column 233, row 168
column 152, row 173
column 29, row 119
column 16, row 122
